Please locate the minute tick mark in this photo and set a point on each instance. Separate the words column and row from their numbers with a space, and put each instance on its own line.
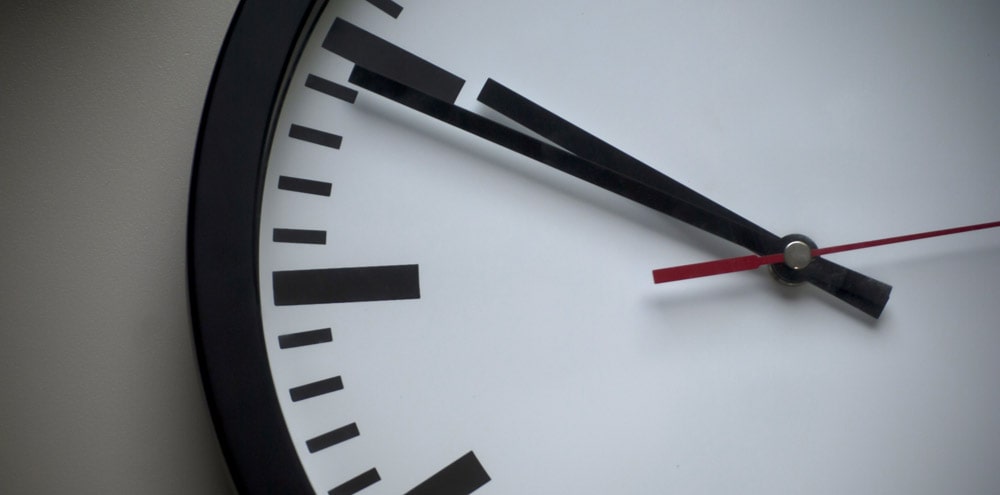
column 332, row 438
column 314, row 136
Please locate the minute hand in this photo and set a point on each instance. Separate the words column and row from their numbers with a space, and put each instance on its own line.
column 549, row 155
column 865, row 293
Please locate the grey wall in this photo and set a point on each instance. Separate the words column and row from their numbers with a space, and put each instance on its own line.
column 99, row 110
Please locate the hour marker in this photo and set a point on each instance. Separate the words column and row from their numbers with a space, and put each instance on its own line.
column 331, row 88
column 297, row 236
column 304, row 186
column 358, row 483
column 388, row 6
column 316, row 137
column 380, row 56
column 302, row 339
column 332, row 438
column 343, row 285
column 315, row 389
column 461, row 477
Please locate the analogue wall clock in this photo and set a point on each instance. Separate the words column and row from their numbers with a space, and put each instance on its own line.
column 422, row 237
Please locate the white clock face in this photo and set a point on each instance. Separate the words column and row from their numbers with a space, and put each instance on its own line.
column 426, row 294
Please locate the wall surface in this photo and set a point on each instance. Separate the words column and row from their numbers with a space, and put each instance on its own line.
column 99, row 109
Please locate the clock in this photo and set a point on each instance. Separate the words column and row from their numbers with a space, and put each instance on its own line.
column 421, row 238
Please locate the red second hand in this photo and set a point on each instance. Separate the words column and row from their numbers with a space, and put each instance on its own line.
column 753, row 261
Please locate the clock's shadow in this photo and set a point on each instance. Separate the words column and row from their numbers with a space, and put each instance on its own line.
column 748, row 291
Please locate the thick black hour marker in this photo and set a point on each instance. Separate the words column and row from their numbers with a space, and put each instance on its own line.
column 332, row 438
column 304, row 186
column 378, row 55
column 342, row 285
column 461, row 477
column 358, row 483
column 388, row 6
column 331, row 88
column 316, row 389
column 302, row 339
column 297, row 236
column 316, row 137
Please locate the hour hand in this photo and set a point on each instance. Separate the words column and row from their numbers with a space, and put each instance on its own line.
column 863, row 292
column 581, row 168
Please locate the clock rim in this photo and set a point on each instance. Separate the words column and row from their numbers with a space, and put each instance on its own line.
column 252, row 70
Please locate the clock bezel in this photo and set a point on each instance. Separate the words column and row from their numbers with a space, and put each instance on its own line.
column 252, row 70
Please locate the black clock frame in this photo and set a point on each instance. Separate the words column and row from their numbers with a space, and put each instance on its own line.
column 254, row 64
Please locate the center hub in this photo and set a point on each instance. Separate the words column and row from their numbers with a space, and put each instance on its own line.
column 798, row 255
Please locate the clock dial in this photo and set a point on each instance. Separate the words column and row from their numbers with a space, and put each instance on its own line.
column 396, row 304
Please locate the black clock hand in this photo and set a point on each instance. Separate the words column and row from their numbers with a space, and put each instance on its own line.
column 550, row 155
column 589, row 147
column 557, row 158
column 866, row 293
column 384, row 58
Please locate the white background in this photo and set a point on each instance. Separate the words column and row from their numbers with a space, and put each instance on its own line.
column 99, row 109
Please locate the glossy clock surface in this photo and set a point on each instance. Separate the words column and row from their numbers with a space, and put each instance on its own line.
column 427, row 312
